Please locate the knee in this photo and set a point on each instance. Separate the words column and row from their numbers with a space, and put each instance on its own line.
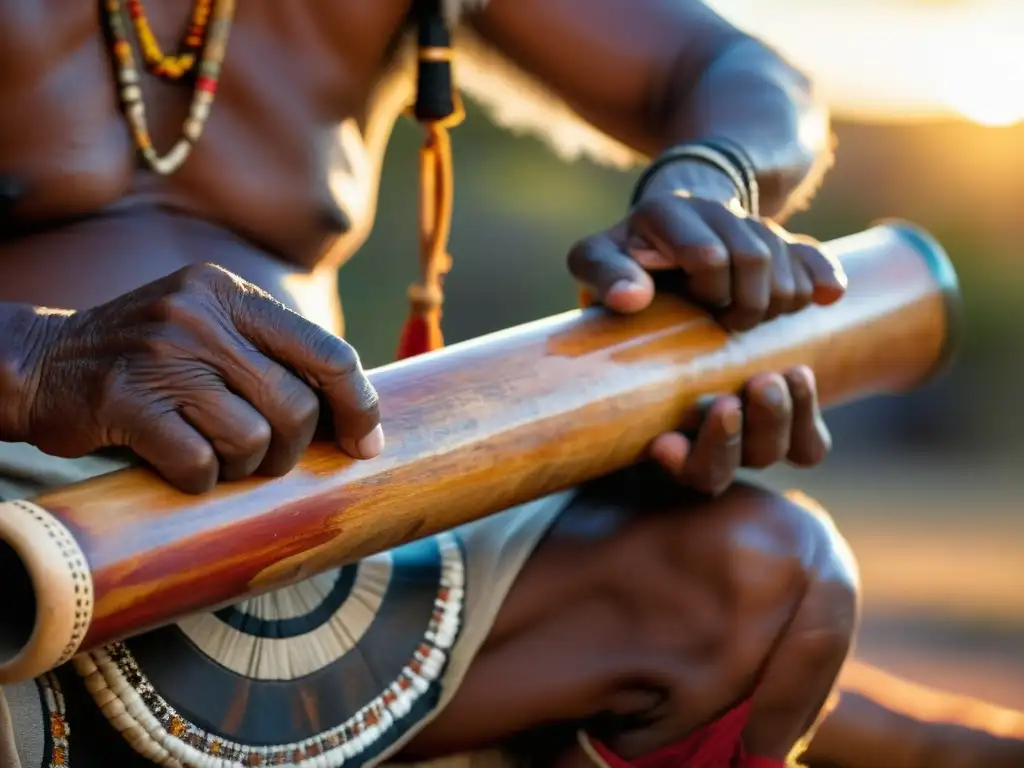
column 800, row 558
column 758, row 556
column 778, row 554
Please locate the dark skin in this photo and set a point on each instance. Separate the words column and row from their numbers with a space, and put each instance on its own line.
column 208, row 376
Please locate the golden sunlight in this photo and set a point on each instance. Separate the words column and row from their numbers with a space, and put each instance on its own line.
column 984, row 80
column 901, row 60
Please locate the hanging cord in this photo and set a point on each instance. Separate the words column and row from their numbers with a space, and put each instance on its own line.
column 437, row 109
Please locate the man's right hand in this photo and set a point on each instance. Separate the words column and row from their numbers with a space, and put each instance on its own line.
column 201, row 374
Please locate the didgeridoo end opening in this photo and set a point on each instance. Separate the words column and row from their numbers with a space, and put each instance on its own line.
column 46, row 595
column 944, row 274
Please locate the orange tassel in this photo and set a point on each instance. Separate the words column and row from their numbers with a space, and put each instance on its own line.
column 422, row 331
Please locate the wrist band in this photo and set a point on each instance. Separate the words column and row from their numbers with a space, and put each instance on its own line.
column 722, row 154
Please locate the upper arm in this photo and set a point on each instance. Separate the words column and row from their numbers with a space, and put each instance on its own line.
column 612, row 61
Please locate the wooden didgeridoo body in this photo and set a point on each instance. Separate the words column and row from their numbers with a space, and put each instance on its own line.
column 471, row 430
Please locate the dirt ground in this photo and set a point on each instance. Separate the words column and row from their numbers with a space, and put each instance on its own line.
column 941, row 550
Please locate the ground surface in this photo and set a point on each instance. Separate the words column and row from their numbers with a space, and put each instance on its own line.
column 941, row 549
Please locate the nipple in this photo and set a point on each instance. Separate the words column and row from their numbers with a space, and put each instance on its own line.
column 12, row 190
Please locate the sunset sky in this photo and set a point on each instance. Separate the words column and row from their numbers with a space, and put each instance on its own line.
column 901, row 59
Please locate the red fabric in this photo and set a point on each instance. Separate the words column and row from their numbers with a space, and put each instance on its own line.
column 716, row 745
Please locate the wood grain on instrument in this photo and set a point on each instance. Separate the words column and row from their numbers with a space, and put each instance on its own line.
column 470, row 430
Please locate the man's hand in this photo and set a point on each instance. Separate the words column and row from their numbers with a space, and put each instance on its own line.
column 745, row 271
column 201, row 374
column 776, row 419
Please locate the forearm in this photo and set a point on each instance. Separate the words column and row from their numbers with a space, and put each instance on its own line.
column 751, row 96
column 24, row 330
column 652, row 74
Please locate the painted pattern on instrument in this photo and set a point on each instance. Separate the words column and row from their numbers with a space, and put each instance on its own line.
column 260, row 667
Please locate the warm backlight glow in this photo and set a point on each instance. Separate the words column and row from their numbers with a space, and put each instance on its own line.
column 892, row 60
column 984, row 81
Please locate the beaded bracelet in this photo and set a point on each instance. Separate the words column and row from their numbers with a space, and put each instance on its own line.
column 726, row 156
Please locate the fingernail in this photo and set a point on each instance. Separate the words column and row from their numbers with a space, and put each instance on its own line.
column 732, row 422
column 368, row 447
column 623, row 286
column 773, row 395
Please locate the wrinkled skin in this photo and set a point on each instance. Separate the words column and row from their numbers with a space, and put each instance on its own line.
column 202, row 375
column 200, row 372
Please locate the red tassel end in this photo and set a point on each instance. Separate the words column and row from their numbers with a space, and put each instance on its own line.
column 420, row 334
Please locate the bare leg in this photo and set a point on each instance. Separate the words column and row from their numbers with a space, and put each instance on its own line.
column 645, row 615
column 882, row 720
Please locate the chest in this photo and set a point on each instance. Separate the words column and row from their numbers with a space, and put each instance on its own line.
column 312, row 41
column 292, row 72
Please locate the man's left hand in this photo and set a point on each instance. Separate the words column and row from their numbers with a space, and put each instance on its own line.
column 743, row 269
column 775, row 419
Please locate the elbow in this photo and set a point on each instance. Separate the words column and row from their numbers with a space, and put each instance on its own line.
column 791, row 183
column 800, row 145
column 750, row 93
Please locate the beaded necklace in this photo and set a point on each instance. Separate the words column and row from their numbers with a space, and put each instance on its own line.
column 176, row 66
column 437, row 108
column 217, row 28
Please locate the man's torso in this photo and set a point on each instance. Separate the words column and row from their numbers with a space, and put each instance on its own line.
column 270, row 189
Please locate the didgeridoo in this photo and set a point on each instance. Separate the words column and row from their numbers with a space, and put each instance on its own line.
column 471, row 430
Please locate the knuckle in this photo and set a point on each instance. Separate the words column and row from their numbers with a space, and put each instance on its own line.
column 751, row 256
column 204, row 273
column 252, row 438
column 801, row 380
column 581, row 257
column 305, row 405
column 201, row 277
column 302, row 411
column 199, row 461
column 805, row 251
column 180, row 309
column 653, row 209
column 710, row 256
column 337, row 357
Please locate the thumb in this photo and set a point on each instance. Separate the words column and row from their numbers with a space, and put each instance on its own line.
column 616, row 280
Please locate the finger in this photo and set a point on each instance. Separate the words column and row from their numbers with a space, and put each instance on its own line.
column 752, row 261
column 320, row 359
column 679, row 234
column 828, row 277
column 617, row 281
column 238, row 433
column 181, row 455
column 810, row 440
column 803, row 293
column 716, row 453
column 782, row 281
column 289, row 406
column 768, row 421
column 801, row 673
column 671, row 451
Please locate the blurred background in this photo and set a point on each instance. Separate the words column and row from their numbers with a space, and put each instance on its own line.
column 929, row 488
